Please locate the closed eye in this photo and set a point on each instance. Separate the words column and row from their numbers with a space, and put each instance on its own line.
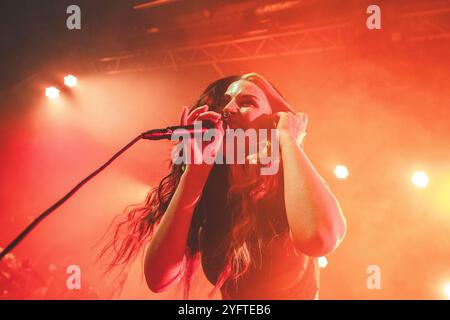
column 248, row 105
column 248, row 102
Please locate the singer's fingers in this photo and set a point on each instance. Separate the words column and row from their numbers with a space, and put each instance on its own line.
column 184, row 114
column 277, row 115
column 305, row 119
column 194, row 114
column 209, row 115
column 207, row 118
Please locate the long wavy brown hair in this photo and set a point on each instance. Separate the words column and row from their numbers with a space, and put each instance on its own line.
column 245, row 206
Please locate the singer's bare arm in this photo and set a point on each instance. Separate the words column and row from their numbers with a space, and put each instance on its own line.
column 315, row 218
column 164, row 257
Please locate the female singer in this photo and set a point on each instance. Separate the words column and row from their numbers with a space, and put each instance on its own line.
column 256, row 236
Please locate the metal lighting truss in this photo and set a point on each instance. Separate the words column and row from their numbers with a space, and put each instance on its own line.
column 419, row 25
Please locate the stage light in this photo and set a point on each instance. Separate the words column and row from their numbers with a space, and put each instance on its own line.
column 420, row 179
column 447, row 290
column 70, row 81
column 51, row 93
column 323, row 262
column 341, row 172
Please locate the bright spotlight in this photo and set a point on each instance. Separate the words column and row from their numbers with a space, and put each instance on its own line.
column 341, row 172
column 420, row 179
column 323, row 262
column 70, row 81
column 447, row 290
column 51, row 93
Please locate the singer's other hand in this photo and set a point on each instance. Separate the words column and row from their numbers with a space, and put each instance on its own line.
column 292, row 126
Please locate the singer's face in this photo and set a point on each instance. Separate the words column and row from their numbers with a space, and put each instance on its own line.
column 245, row 101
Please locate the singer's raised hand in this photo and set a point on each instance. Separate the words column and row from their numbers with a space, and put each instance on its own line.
column 199, row 114
column 199, row 148
column 292, row 126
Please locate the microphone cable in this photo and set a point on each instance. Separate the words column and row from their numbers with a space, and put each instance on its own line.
column 156, row 134
column 47, row 212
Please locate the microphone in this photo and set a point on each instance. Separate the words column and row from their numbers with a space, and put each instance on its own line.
column 166, row 133
column 263, row 121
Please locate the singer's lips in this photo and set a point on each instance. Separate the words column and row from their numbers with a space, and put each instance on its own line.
column 232, row 123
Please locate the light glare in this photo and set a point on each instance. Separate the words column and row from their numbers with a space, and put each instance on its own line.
column 420, row 179
column 70, row 81
column 323, row 262
column 447, row 290
column 51, row 93
column 341, row 172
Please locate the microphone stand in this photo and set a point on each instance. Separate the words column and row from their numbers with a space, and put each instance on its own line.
column 156, row 134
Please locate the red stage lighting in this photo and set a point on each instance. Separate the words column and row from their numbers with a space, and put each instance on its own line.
column 420, row 179
column 341, row 172
column 70, row 81
column 323, row 262
column 447, row 290
column 51, row 93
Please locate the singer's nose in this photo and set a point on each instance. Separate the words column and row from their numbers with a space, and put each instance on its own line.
column 230, row 108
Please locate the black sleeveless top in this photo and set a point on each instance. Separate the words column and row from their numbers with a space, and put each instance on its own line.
column 277, row 272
